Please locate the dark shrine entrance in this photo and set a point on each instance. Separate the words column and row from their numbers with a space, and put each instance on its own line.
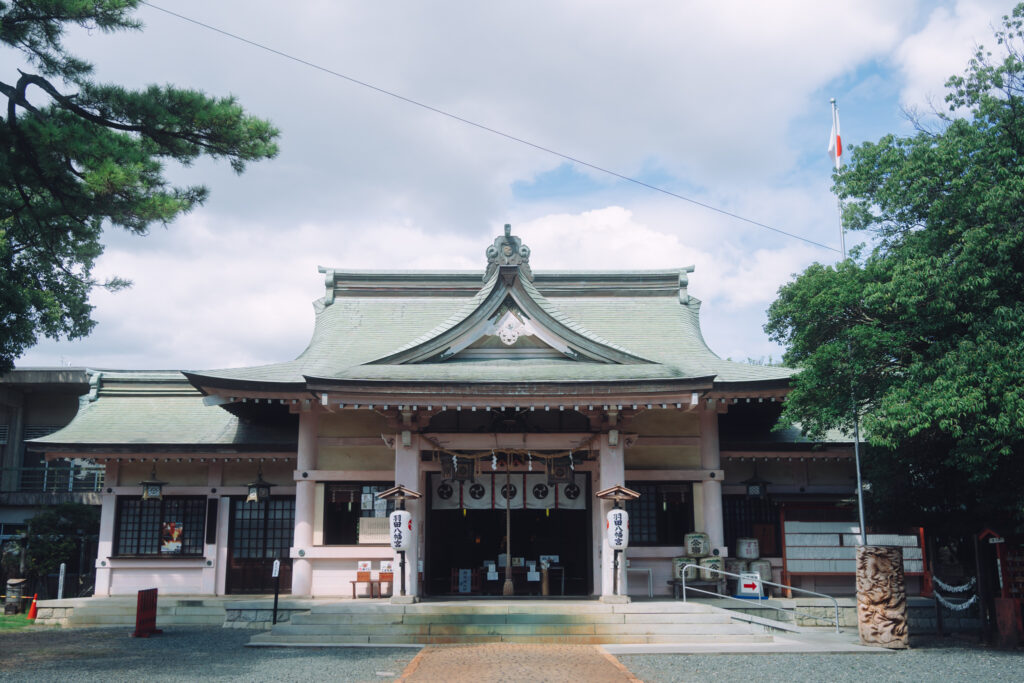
column 463, row 545
column 258, row 534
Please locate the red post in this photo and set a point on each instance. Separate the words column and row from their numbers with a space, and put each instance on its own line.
column 145, row 614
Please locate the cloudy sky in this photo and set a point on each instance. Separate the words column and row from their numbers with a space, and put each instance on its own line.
column 726, row 103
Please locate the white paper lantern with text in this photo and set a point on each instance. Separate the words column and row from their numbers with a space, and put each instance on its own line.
column 617, row 529
column 401, row 529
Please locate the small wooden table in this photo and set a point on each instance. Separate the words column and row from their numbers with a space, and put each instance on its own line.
column 364, row 577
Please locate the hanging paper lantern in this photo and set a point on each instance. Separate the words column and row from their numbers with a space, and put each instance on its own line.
column 617, row 529
column 401, row 529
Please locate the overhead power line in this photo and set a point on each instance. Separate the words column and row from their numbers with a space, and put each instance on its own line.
column 480, row 126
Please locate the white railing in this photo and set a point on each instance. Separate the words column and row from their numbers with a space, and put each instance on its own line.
column 760, row 595
column 70, row 478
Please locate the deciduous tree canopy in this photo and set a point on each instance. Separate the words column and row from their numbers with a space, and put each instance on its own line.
column 924, row 332
column 77, row 155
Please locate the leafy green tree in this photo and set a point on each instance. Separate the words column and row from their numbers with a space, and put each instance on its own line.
column 62, row 533
column 77, row 155
column 924, row 332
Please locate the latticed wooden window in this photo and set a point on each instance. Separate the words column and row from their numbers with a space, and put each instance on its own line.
column 262, row 530
column 643, row 516
column 660, row 516
column 172, row 526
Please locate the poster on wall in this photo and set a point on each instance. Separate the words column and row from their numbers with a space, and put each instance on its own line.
column 170, row 537
column 465, row 580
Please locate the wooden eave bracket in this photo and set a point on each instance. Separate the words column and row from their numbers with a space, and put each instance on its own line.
column 618, row 492
column 399, row 492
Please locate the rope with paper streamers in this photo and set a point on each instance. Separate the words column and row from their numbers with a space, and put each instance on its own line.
column 955, row 589
column 522, row 452
column 955, row 606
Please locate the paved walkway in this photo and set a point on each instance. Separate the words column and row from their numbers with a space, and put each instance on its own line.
column 513, row 662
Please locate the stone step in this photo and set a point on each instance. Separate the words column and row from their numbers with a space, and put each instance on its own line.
column 510, row 629
column 444, row 618
column 270, row 639
column 557, row 607
column 161, row 610
column 516, row 630
column 77, row 619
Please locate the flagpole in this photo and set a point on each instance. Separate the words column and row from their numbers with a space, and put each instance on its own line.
column 836, row 142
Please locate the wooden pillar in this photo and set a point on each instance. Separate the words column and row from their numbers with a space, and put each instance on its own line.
column 214, row 479
column 305, row 498
column 611, row 460
column 105, row 546
column 407, row 474
column 711, row 459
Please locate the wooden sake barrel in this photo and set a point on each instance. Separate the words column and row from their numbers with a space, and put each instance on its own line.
column 692, row 574
column 734, row 565
column 708, row 563
column 764, row 568
column 747, row 549
column 697, row 544
column 677, row 566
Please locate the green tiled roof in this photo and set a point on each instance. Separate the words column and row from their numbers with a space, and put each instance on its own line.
column 371, row 315
column 157, row 410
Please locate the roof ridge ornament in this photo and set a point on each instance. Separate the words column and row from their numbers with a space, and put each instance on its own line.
column 508, row 250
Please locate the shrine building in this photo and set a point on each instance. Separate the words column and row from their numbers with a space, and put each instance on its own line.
column 506, row 397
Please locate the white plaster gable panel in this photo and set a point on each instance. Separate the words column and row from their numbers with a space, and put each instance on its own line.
column 512, row 308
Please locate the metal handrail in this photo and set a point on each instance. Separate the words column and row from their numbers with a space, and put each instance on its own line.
column 760, row 597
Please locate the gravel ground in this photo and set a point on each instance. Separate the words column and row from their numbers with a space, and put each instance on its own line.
column 217, row 654
column 929, row 659
column 184, row 653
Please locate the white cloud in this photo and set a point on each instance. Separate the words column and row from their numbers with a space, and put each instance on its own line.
column 943, row 47
column 707, row 97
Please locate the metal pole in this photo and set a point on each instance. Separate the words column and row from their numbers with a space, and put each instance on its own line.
column 401, row 570
column 277, row 586
column 508, row 588
column 849, row 353
column 615, row 571
column 60, row 581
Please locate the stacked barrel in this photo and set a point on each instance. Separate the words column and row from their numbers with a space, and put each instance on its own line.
column 698, row 552
column 748, row 559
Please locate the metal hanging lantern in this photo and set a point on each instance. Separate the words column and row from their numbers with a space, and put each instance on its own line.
column 152, row 488
column 756, row 486
column 259, row 490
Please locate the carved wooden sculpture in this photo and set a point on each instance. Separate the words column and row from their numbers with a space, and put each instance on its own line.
column 881, row 597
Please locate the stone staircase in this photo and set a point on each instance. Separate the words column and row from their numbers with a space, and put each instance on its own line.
column 120, row 611
column 574, row 622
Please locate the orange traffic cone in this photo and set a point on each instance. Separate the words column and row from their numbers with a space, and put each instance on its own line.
column 33, row 609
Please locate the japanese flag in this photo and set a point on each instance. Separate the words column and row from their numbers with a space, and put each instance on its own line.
column 835, row 142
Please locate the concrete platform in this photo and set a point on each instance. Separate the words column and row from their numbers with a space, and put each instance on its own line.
column 808, row 641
